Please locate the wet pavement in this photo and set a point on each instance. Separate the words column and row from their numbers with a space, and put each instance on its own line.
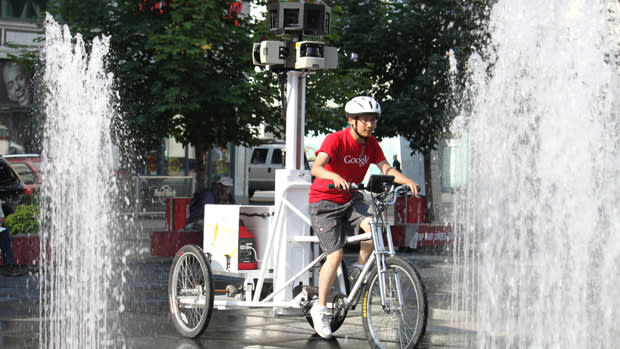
column 146, row 323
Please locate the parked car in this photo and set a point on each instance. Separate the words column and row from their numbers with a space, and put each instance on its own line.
column 28, row 167
column 265, row 159
column 13, row 192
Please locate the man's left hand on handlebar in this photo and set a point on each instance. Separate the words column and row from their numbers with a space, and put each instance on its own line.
column 413, row 187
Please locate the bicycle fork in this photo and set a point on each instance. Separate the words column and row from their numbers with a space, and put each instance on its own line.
column 382, row 254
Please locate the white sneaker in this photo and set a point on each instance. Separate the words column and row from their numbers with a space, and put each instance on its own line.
column 320, row 318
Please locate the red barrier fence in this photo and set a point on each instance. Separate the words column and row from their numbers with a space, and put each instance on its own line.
column 410, row 210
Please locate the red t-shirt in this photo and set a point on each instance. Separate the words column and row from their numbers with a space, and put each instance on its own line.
column 347, row 160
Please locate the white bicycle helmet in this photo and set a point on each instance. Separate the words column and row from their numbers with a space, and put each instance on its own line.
column 362, row 105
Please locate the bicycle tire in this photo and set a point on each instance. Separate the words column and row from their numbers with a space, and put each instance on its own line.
column 190, row 291
column 336, row 321
column 401, row 326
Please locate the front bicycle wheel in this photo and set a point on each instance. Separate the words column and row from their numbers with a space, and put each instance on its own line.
column 190, row 291
column 398, row 324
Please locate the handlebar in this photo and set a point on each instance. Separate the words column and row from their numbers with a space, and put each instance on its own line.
column 352, row 186
column 400, row 190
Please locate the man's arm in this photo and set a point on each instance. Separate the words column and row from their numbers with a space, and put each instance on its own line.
column 319, row 171
column 399, row 178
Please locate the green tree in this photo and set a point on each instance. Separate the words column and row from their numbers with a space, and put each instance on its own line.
column 182, row 70
column 406, row 48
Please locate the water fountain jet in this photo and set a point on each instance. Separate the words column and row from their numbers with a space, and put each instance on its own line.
column 539, row 213
column 80, row 288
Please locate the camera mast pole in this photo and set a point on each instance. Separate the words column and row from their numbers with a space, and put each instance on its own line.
column 292, row 20
column 295, row 119
column 292, row 186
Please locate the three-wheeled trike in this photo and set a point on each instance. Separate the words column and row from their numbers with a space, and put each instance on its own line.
column 391, row 293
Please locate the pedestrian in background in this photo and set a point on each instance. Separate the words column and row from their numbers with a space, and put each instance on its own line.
column 5, row 241
column 396, row 163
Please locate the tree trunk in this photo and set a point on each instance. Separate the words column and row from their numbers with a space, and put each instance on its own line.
column 161, row 159
column 201, row 173
column 428, row 183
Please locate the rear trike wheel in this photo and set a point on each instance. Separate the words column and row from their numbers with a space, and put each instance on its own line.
column 190, row 291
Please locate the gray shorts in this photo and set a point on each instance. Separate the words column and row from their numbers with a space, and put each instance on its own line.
column 333, row 222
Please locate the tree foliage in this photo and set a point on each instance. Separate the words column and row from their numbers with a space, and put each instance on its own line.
column 190, row 58
column 187, row 58
column 183, row 69
column 406, row 47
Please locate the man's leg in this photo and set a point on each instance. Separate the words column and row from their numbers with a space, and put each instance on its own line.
column 319, row 312
column 366, row 247
column 327, row 223
column 327, row 275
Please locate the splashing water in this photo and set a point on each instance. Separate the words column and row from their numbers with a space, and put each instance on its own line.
column 539, row 214
column 80, row 293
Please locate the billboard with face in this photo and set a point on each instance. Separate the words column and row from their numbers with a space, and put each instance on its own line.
column 16, row 98
column 16, row 86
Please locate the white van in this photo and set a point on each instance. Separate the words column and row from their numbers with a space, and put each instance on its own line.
column 264, row 160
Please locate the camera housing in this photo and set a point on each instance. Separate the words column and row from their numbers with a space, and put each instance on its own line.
column 273, row 52
column 309, row 55
column 314, row 55
column 299, row 17
column 331, row 57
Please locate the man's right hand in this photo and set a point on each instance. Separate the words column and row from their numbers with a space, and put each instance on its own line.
column 340, row 183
